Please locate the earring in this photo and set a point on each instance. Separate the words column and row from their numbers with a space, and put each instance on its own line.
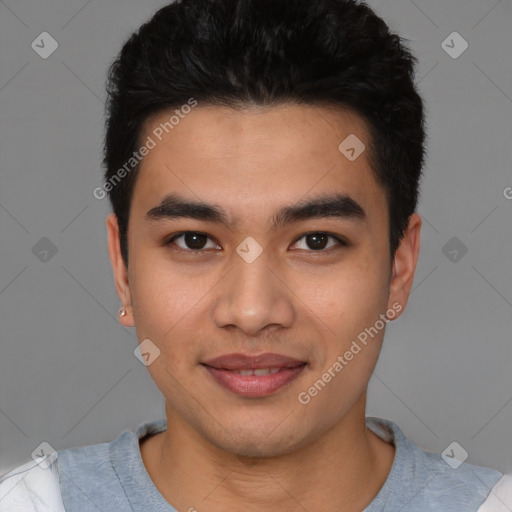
column 122, row 312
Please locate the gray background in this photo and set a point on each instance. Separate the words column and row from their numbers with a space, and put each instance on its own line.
column 68, row 375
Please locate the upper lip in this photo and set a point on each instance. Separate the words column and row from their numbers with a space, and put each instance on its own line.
column 243, row 361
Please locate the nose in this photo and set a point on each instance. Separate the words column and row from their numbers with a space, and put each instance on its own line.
column 252, row 297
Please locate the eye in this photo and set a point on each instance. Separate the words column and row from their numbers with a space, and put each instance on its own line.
column 318, row 241
column 193, row 241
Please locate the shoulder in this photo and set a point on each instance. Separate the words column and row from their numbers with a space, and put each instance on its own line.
column 454, row 480
column 32, row 487
column 77, row 478
column 426, row 481
column 88, row 478
column 451, row 483
column 91, row 459
column 99, row 476
column 70, row 479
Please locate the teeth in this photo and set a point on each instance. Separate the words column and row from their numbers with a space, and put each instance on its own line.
column 259, row 372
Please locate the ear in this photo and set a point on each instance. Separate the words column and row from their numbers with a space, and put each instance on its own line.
column 120, row 270
column 404, row 264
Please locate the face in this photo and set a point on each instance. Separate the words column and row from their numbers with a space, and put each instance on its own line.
column 251, row 234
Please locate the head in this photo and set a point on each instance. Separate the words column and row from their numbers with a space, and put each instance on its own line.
column 239, row 121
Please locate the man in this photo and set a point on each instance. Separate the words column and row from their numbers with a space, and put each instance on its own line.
column 263, row 161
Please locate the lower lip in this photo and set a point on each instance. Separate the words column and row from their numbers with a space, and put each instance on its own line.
column 254, row 385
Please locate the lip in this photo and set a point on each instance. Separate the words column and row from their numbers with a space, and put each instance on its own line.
column 223, row 370
column 244, row 361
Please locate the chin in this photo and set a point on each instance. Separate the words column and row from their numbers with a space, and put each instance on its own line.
column 256, row 443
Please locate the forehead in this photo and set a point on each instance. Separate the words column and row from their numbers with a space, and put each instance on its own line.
column 256, row 157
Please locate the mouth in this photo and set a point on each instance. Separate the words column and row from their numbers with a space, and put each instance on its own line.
column 254, row 376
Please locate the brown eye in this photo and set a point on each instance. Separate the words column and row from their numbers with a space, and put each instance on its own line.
column 192, row 241
column 319, row 241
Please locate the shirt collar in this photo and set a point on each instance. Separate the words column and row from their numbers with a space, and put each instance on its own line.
column 143, row 494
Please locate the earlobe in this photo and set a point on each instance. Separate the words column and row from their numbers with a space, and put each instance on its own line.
column 404, row 263
column 125, row 318
column 119, row 270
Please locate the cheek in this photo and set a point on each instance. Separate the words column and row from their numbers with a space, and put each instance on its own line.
column 165, row 294
column 170, row 308
column 166, row 305
column 348, row 298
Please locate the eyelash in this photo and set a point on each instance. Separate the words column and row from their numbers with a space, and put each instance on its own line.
column 341, row 241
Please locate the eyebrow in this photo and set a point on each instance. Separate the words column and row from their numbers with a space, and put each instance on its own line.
column 342, row 206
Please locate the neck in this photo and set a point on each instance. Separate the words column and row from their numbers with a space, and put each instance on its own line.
column 343, row 470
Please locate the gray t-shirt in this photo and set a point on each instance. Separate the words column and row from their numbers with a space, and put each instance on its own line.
column 112, row 476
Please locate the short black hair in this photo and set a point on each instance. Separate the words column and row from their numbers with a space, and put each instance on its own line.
column 244, row 53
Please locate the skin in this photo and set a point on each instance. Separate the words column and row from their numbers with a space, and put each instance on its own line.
column 226, row 452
